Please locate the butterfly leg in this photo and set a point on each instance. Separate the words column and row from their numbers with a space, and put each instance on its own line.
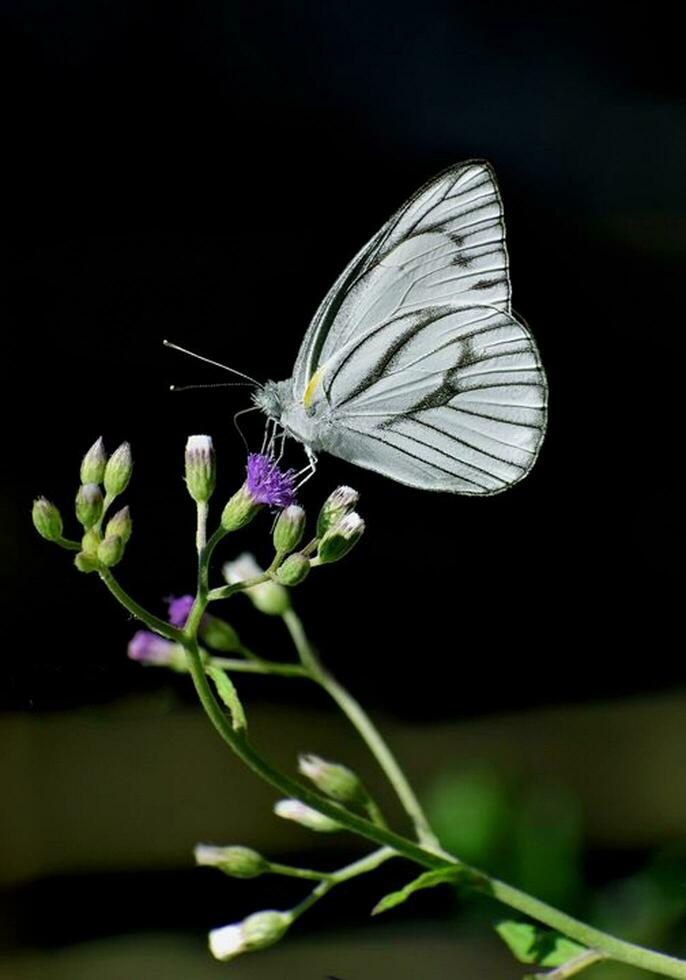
column 308, row 471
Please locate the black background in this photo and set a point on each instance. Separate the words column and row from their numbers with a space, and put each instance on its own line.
column 203, row 174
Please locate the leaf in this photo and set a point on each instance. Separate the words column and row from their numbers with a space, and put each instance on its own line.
column 227, row 692
column 531, row 944
column 429, row 879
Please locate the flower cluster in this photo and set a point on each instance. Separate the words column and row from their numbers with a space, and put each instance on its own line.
column 99, row 548
column 192, row 639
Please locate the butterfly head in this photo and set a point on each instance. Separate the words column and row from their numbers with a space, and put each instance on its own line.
column 271, row 398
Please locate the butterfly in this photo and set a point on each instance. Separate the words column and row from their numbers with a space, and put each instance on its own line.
column 414, row 366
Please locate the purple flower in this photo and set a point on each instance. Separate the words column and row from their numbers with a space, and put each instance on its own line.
column 267, row 484
column 149, row 648
column 179, row 609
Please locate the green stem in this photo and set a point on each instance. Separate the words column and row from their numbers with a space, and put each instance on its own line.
column 201, row 529
column 573, row 966
column 68, row 545
column 258, row 666
column 226, row 591
column 364, row 865
column 150, row 620
column 365, row 727
column 291, row 872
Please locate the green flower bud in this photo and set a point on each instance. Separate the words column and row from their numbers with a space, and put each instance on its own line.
column 294, row 570
column 90, row 542
column 47, row 520
column 201, row 471
column 86, row 563
column 239, row 862
column 289, row 529
column 340, row 539
column 240, row 510
column 89, row 505
column 111, row 551
column 334, row 780
column 120, row 525
column 269, row 597
column 219, row 635
column 258, row 931
column 304, row 815
column 118, row 470
column 93, row 463
column 335, row 507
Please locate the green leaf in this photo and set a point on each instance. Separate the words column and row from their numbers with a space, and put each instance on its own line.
column 453, row 874
column 227, row 692
column 531, row 944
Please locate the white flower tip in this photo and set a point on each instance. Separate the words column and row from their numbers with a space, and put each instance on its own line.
column 289, row 809
column 199, row 444
column 207, row 854
column 351, row 524
column 227, row 942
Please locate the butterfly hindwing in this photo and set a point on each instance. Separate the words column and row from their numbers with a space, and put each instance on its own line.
column 447, row 399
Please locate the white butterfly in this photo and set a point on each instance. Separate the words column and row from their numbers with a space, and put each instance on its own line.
column 414, row 366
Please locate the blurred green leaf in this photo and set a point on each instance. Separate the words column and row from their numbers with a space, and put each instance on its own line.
column 227, row 692
column 547, row 844
column 470, row 812
column 531, row 944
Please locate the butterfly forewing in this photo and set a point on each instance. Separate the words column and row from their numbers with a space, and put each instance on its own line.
column 446, row 245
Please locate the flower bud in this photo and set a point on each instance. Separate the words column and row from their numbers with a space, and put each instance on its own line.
column 289, row 529
column 201, row 473
column 239, row 862
column 332, row 779
column 335, row 507
column 294, row 570
column 269, row 597
column 219, row 635
column 93, row 463
column 118, row 470
column 304, row 815
column 86, row 563
column 258, row 931
column 340, row 539
column 90, row 542
column 121, row 525
column 111, row 550
column 240, row 510
column 149, row 648
column 89, row 505
column 47, row 520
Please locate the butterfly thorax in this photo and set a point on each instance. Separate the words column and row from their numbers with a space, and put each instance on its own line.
column 276, row 400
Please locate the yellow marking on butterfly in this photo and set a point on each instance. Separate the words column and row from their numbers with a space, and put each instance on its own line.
column 312, row 384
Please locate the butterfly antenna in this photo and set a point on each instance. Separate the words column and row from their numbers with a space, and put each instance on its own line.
column 226, row 384
column 207, row 360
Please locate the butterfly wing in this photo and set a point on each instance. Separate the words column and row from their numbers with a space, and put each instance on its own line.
column 450, row 399
column 414, row 365
column 446, row 245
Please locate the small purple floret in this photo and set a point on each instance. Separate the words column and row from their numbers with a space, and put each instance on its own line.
column 267, row 484
column 179, row 610
column 149, row 648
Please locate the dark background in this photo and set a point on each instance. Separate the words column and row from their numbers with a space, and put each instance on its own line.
column 203, row 174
